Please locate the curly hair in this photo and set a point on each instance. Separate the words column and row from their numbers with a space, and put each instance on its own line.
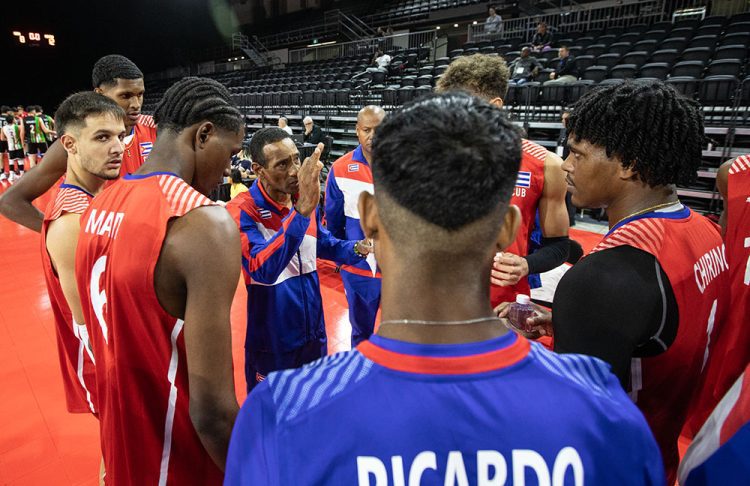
column 479, row 74
column 653, row 129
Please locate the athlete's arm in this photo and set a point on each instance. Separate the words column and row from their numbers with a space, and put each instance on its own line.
column 508, row 269
column 15, row 203
column 196, row 277
column 611, row 304
column 61, row 241
column 334, row 249
column 722, row 180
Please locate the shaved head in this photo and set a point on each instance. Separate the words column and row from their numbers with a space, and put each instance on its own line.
column 368, row 120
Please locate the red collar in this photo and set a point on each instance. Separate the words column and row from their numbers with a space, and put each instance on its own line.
column 454, row 365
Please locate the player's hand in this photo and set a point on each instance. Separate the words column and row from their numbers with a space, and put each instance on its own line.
column 540, row 323
column 365, row 247
column 508, row 269
column 308, row 177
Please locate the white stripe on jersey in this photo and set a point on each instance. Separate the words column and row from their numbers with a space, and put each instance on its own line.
column 171, row 405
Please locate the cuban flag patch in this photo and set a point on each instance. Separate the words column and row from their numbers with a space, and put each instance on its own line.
column 264, row 213
column 146, row 148
column 524, row 179
column 353, row 167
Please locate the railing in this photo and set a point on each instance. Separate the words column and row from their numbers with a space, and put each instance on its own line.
column 365, row 47
column 583, row 19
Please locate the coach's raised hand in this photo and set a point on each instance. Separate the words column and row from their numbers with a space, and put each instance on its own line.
column 308, row 178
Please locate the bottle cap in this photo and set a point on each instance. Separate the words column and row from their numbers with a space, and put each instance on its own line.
column 523, row 299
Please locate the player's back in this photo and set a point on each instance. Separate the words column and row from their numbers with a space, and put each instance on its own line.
column 146, row 431
column 392, row 412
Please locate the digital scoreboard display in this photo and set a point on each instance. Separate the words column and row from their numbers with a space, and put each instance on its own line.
column 33, row 39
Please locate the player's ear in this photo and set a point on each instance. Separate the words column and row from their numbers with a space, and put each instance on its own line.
column 498, row 102
column 69, row 143
column 369, row 219
column 204, row 133
column 509, row 228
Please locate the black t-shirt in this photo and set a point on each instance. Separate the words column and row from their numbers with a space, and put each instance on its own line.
column 616, row 304
column 315, row 136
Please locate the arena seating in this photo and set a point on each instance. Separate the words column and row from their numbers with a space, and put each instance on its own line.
column 707, row 60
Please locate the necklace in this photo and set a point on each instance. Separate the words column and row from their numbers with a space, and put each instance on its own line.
column 440, row 323
column 647, row 210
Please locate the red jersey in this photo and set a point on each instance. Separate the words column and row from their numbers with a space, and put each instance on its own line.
column 733, row 343
column 147, row 436
column 526, row 195
column 139, row 146
column 73, row 350
column 690, row 251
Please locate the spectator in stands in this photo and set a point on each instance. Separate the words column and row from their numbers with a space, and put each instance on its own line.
column 236, row 187
column 542, row 39
column 493, row 26
column 284, row 125
column 566, row 70
column 525, row 68
column 380, row 62
column 313, row 133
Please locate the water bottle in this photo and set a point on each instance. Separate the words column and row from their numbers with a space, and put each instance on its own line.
column 519, row 311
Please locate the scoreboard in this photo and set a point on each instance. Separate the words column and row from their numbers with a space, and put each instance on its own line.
column 33, row 39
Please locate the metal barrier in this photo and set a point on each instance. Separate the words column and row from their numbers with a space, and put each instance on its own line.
column 581, row 18
column 424, row 39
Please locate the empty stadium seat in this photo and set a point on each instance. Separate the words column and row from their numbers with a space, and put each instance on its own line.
column 610, row 60
column 687, row 85
column 648, row 45
column 668, row 56
column 678, row 43
column 735, row 51
column 724, row 67
column 737, row 27
column 657, row 70
column 638, row 58
column 595, row 50
column 702, row 54
column 742, row 38
column 620, row 48
column 623, row 71
column 704, row 41
column 719, row 89
column 693, row 69
column 583, row 62
column 578, row 89
column 595, row 73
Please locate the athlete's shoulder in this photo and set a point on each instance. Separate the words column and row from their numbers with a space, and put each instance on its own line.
column 180, row 196
column 534, row 150
column 299, row 391
column 69, row 200
column 146, row 121
column 343, row 161
column 740, row 164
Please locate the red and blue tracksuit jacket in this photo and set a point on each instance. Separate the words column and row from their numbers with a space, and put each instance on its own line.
column 279, row 252
column 349, row 176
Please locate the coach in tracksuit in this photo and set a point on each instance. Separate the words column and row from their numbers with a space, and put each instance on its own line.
column 349, row 177
column 281, row 239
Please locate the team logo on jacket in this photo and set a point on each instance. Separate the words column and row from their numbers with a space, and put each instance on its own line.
column 264, row 213
column 146, row 148
column 353, row 168
column 523, row 179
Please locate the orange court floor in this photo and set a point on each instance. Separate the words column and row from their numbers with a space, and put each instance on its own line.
column 40, row 442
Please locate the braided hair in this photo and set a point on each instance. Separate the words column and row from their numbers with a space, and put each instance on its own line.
column 648, row 125
column 193, row 100
column 109, row 69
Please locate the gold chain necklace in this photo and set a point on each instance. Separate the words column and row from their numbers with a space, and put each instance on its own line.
column 647, row 210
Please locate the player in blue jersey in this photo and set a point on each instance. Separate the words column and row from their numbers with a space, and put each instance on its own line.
column 443, row 393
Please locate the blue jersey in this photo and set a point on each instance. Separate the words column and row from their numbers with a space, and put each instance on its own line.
column 503, row 411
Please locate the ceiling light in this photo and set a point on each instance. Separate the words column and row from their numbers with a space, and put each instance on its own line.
column 437, row 28
column 474, row 23
column 455, row 25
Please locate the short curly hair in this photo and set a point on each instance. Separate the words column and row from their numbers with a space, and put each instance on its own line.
column 651, row 127
column 479, row 74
